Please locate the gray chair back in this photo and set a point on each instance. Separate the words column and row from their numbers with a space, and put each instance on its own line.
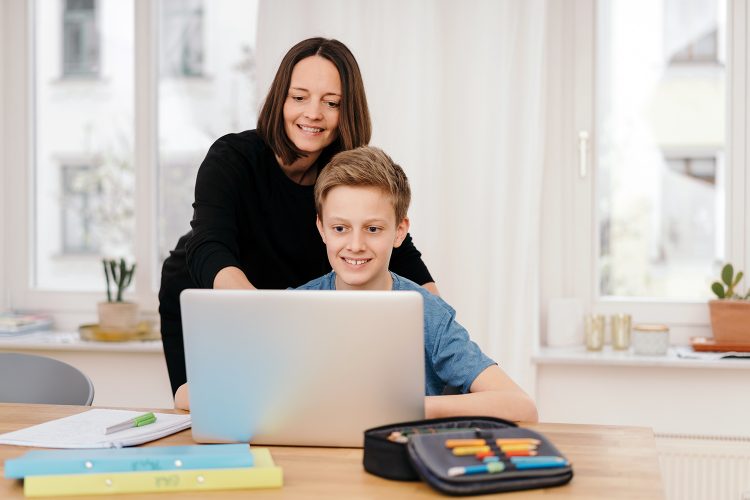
column 26, row 378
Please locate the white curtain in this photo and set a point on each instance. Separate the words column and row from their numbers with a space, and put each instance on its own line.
column 456, row 94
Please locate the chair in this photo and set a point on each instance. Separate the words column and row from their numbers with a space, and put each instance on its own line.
column 26, row 378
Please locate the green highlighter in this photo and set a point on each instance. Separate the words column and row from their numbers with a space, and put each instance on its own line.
column 139, row 421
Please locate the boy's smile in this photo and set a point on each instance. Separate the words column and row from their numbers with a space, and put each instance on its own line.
column 360, row 231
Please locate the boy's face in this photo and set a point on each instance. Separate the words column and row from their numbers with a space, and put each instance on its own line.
column 359, row 229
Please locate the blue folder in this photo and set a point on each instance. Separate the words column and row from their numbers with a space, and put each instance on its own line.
column 50, row 462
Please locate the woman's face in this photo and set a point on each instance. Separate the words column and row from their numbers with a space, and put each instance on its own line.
column 311, row 109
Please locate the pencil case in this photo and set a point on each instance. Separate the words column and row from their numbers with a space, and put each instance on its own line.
column 419, row 450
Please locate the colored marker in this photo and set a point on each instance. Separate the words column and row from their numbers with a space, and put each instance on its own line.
column 491, row 458
column 469, row 450
column 519, row 453
column 514, row 447
column 455, row 443
column 490, row 467
column 543, row 462
column 502, row 441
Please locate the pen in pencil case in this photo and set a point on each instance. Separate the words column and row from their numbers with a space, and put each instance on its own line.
column 517, row 463
column 403, row 435
column 139, row 421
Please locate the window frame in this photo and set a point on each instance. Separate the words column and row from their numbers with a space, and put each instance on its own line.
column 570, row 250
column 16, row 267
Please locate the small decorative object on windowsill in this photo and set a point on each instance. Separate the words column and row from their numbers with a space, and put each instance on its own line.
column 593, row 325
column 730, row 313
column 650, row 340
column 118, row 319
column 620, row 327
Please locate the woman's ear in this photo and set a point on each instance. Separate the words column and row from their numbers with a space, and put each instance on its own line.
column 401, row 231
column 319, row 224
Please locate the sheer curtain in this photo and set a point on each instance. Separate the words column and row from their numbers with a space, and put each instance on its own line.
column 456, row 95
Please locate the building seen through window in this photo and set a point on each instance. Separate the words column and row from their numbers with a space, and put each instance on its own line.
column 80, row 38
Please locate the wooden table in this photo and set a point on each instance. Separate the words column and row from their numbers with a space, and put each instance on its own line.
column 608, row 462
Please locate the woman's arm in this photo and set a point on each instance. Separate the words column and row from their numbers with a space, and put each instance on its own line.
column 232, row 278
column 493, row 393
column 406, row 261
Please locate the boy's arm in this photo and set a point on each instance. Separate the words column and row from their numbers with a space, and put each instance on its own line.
column 493, row 394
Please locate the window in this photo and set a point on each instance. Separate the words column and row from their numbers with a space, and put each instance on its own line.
column 181, row 47
column 80, row 38
column 658, row 224
column 78, row 204
column 647, row 165
column 106, row 166
column 193, row 113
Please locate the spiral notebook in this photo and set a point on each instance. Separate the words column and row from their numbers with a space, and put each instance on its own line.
column 86, row 430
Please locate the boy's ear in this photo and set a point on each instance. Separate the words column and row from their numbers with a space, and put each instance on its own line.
column 319, row 224
column 401, row 231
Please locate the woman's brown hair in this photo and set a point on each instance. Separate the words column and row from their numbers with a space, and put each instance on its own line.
column 354, row 126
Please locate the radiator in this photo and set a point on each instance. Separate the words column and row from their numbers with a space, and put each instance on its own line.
column 704, row 467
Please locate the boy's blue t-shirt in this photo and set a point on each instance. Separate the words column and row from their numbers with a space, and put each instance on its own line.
column 450, row 356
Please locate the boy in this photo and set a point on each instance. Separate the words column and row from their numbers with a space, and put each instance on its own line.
column 362, row 198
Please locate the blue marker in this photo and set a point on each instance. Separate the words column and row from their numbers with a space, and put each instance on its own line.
column 538, row 462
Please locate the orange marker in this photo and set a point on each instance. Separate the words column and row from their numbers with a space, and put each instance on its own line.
column 519, row 453
column 483, row 454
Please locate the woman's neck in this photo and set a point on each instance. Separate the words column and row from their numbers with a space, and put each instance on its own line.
column 303, row 170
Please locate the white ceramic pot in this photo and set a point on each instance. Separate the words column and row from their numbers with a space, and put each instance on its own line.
column 118, row 316
column 652, row 340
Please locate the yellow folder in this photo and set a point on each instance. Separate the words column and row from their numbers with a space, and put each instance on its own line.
column 263, row 474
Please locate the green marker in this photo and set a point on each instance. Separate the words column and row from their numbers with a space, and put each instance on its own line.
column 139, row 421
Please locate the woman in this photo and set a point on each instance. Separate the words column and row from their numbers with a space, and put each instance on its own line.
column 254, row 215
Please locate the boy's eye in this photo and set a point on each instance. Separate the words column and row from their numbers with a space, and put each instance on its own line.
column 339, row 229
column 373, row 229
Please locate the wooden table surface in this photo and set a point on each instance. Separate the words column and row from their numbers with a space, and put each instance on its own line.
column 608, row 462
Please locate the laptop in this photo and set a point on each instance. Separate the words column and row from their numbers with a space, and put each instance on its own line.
column 301, row 367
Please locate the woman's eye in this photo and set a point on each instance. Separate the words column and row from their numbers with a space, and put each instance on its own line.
column 296, row 98
column 332, row 104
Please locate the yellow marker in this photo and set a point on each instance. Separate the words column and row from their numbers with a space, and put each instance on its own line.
column 455, row 443
column 469, row 450
column 517, row 447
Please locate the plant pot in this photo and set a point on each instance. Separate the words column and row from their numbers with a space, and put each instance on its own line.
column 118, row 316
column 730, row 321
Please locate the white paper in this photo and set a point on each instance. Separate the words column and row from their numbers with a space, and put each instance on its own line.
column 86, row 430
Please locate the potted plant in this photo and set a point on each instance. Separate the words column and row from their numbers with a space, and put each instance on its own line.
column 730, row 313
column 116, row 315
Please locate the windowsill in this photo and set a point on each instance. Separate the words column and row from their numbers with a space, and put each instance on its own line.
column 578, row 355
column 71, row 341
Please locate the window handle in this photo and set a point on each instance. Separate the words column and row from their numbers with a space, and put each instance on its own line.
column 583, row 151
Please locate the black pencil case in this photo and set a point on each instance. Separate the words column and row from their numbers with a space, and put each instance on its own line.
column 420, row 452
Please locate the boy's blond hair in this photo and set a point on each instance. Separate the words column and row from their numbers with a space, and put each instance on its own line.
column 365, row 166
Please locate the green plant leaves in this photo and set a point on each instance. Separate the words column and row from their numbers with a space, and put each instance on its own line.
column 718, row 289
column 727, row 273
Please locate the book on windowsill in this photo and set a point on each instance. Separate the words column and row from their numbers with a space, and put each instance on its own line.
column 262, row 474
column 19, row 322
